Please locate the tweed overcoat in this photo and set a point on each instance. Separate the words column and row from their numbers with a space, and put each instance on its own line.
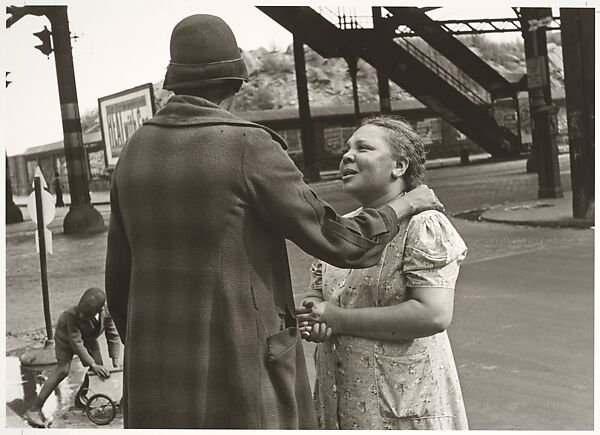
column 197, row 271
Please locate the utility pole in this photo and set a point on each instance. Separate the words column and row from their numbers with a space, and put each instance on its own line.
column 543, row 115
column 82, row 217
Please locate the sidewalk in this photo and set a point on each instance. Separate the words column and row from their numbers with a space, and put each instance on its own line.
column 553, row 212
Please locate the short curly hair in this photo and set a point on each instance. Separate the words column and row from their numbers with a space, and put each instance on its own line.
column 405, row 142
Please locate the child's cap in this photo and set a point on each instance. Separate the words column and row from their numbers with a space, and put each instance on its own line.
column 93, row 297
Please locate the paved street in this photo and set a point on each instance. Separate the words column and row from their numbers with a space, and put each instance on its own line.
column 523, row 338
column 523, row 326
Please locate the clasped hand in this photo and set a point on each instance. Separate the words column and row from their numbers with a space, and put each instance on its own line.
column 313, row 320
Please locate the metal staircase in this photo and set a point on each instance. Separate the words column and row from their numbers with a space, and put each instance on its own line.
column 466, row 107
column 449, row 46
column 475, row 94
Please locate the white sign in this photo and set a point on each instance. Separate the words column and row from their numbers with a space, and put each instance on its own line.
column 38, row 173
column 47, row 241
column 48, row 207
column 536, row 77
column 536, row 23
column 48, row 210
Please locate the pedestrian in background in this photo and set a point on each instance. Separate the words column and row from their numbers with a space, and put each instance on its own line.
column 58, row 190
column 384, row 360
column 77, row 332
column 197, row 275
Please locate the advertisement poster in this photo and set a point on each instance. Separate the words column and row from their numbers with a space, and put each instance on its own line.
column 121, row 114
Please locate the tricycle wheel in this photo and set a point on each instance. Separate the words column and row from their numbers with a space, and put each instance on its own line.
column 101, row 409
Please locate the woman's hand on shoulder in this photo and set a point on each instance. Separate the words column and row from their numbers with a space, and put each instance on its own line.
column 423, row 198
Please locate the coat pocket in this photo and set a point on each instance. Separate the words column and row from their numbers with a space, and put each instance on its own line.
column 406, row 386
column 281, row 407
column 290, row 404
column 280, row 345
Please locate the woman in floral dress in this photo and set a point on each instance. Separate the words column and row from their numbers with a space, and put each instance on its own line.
column 384, row 360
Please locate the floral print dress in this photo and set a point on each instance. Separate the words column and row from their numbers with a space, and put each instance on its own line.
column 373, row 384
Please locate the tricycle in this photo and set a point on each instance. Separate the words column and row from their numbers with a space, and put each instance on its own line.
column 97, row 396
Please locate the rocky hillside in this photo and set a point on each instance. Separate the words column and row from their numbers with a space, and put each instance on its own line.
column 272, row 83
column 509, row 58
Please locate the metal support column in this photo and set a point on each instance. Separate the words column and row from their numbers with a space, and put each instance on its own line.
column 543, row 115
column 353, row 70
column 515, row 99
column 307, row 130
column 383, row 82
column 383, row 85
column 82, row 216
column 13, row 213
column 577, row 34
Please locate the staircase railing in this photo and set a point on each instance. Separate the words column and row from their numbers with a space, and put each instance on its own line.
column 442, row 72
column 347, row 19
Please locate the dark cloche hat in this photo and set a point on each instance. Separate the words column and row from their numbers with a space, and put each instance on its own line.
column 203, row 52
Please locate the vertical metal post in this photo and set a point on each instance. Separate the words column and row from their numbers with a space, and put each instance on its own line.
column 13, row 213
column 353, row 69
column 42, row 246
column 383, row 83
column 82, row 217
column 21, row 173
column 543, row 116
column 515, row 99
column 307, row 131
column 577, row 34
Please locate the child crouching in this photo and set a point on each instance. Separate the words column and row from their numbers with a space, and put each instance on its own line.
column 76, row 333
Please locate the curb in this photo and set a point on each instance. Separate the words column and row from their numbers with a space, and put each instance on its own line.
column 558, row 223
column 547, row 212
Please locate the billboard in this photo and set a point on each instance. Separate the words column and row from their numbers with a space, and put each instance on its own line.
column 121, row 114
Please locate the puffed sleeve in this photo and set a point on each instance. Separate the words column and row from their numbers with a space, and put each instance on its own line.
column 433, row 251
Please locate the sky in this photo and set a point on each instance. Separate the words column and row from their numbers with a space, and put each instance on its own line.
column 122, row 44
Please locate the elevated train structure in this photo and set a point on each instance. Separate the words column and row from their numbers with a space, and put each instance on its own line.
column 464, row 97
